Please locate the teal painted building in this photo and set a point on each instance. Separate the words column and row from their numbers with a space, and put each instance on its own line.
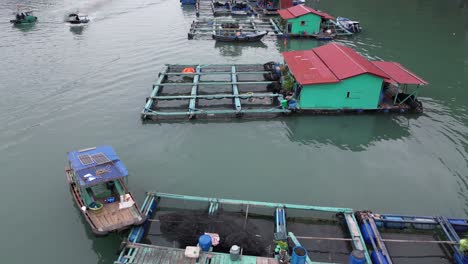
column 300, row 20
column 334, row 77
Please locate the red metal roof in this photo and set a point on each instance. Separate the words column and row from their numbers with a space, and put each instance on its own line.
column 300, row 10
column 398, row 73
column 328, row 64
column 345, row 62
column 308, row 68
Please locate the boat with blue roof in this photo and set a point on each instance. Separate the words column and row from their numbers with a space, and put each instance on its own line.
column 95, row 176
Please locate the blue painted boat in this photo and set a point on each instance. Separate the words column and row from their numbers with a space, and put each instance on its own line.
column 95, row 176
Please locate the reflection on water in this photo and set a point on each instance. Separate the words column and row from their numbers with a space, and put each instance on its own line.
column 299, row 44
column 25, row 27
column 77, row 29
column 230, row 49
column 348, row 132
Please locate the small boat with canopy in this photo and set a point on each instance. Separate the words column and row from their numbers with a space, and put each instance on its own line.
column 76, row 19
column 24, row 17
column 233, row 32
column 350, row 25
column 96, row 182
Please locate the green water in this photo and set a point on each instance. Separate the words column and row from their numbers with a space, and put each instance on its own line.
column 66, row 88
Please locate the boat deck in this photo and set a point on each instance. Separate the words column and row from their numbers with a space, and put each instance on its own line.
column 213, row 91
column 147, row 254
column 110, row 217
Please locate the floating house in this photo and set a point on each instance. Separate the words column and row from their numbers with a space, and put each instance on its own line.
column 302, row 20
column 95, row 176
column 190, row 229
column 330, row 78
column 335, row 77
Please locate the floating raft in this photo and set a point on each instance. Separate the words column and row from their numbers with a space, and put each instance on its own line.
column 176, row 221
column 188, row 91
column 204, row 28
column 328, row 234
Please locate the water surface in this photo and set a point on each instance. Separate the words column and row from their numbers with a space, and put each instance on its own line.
column 67, row 88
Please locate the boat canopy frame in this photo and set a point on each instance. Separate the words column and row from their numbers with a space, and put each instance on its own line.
column 96, row 165
column 413, row 93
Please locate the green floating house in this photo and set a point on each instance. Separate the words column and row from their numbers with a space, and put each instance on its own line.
column 335, row 77
column 302, row 20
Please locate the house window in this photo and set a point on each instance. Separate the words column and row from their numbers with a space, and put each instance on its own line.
column 347, row 95
column 302, row 23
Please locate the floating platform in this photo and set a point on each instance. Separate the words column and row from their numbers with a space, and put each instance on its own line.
column 204, row 28
column 213, row 91
column 176, row 221
column 329, row 235
column 413, row 239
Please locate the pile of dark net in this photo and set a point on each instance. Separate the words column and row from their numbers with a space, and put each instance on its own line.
column 186, row 228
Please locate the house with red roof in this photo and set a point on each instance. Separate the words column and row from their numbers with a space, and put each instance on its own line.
column 302, row 20
column 334, row 76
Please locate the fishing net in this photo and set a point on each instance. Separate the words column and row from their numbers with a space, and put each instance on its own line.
column 186, row 228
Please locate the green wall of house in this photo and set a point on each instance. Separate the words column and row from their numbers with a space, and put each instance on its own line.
column 364, row 93
column 311, row 24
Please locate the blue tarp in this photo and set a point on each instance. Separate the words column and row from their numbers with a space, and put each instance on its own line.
column 94, row 173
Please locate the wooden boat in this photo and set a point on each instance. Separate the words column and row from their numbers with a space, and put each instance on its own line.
column 348, row 24
column 236, row 36
column 24, row 17
column 96, row 182
column 77, row 19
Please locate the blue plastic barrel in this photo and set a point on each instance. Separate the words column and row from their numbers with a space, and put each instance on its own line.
column 357, row 257
column 367, row 232
column 299, row 255
column 204, row 242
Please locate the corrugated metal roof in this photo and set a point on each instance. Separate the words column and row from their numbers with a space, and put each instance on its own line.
column 308, row 68
column 330, row 63
column 345, row 62
column 300, row 10
column 398, row 73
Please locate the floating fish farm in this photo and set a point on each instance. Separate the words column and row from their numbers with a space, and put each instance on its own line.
column 188, row 91
column 190, row 229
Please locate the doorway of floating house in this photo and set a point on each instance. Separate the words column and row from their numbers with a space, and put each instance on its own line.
column 289, row 27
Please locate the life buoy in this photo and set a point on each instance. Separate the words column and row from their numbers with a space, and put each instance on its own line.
column 188, row 70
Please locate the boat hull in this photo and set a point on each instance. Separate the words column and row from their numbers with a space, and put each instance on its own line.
column 86, row 215
column 26, row 21
column 250, row 38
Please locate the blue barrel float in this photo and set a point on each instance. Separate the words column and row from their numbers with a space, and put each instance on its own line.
column 204, row 242
column 377, row 257
column 367, row 232
column 299, row 255
column 357, row 257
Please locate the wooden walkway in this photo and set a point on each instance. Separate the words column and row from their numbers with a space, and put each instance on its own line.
column 110, row 217
column 148, row 254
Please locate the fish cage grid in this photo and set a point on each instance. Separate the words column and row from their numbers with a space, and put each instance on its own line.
column 213, row 90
